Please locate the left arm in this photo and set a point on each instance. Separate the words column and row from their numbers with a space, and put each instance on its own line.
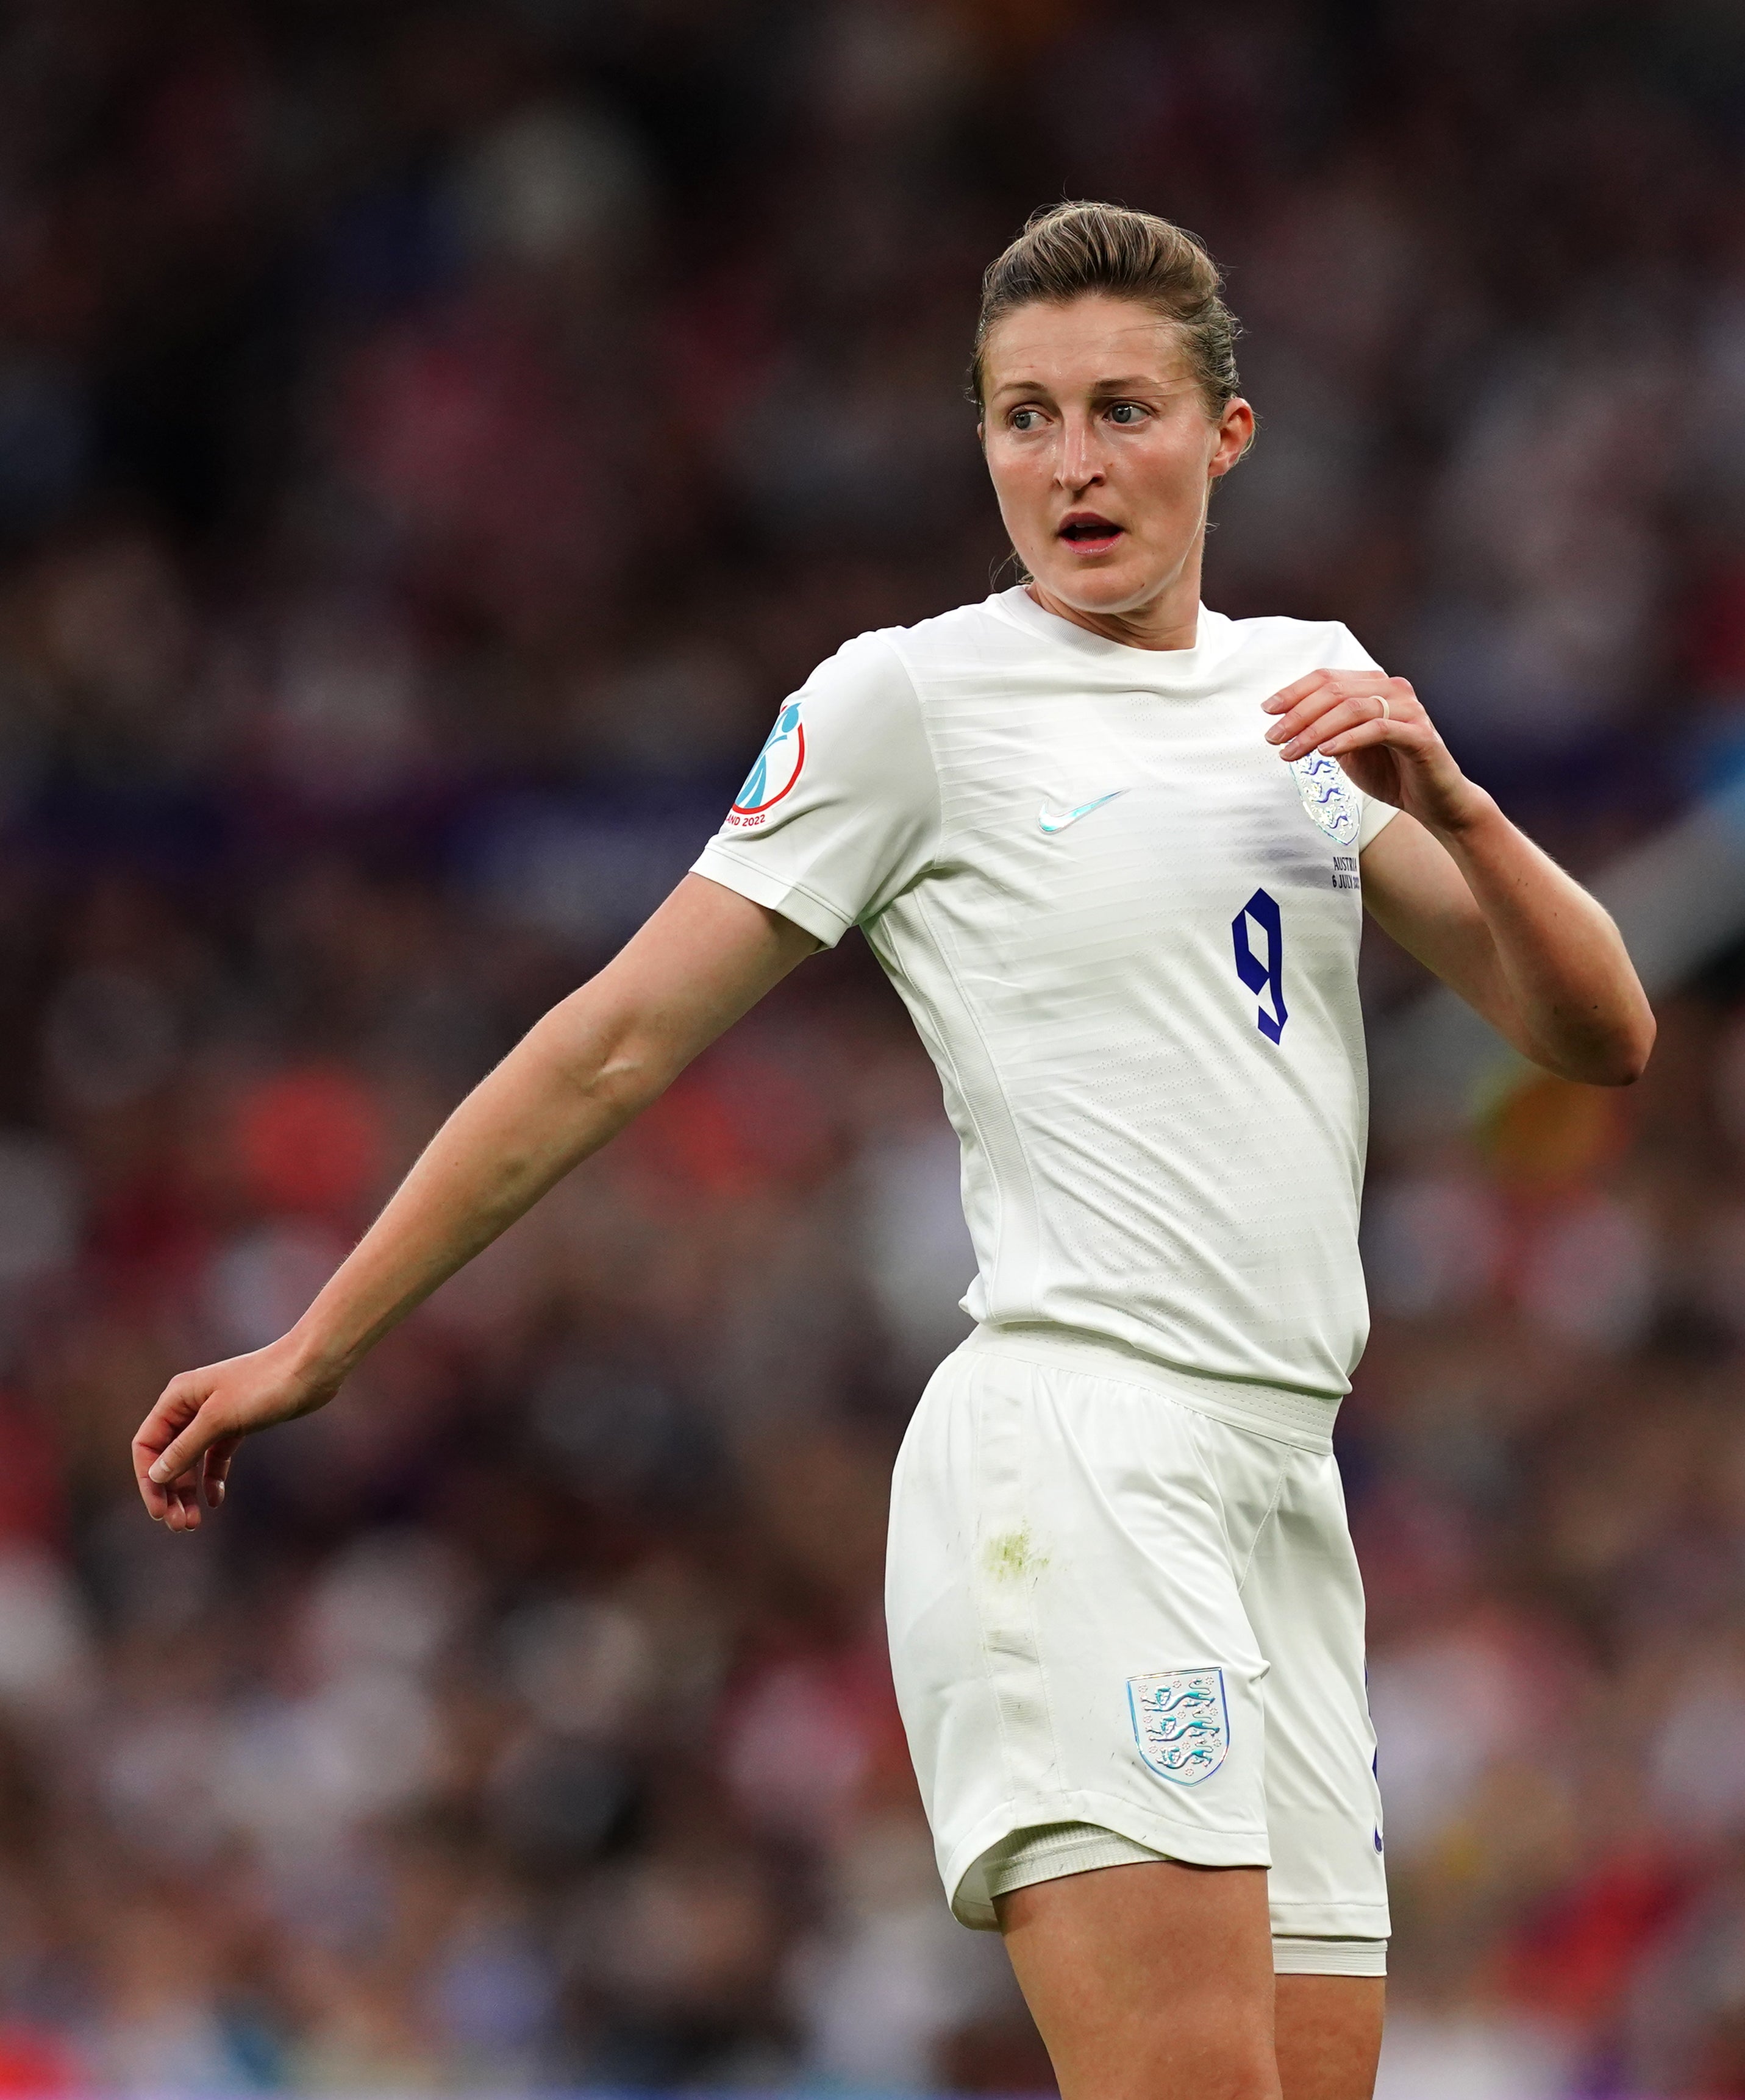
column 1466, row 893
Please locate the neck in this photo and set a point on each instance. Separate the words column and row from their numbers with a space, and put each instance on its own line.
column 1168, row 620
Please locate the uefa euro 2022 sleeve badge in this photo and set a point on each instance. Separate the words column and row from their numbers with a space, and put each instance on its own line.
column 1181, row 1723
column 1328, row 797
column 774, row 770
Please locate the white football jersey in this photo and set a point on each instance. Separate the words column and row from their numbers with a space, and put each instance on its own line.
column 1128, row 933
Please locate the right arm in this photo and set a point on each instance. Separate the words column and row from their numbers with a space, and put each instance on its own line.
column 572, row 1082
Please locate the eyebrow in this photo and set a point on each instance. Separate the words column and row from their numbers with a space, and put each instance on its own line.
column 1127, row 383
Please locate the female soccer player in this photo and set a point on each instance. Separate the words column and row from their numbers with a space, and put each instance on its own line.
column 1112, row 849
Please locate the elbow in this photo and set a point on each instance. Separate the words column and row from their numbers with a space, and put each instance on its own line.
column 612, row 1084
column 1633, row 1061
column 626, row 1084
column 608, row 1072
column 1620, row 1071
column 618, row 1078
column 1636, row 1049
column 1618, row 1060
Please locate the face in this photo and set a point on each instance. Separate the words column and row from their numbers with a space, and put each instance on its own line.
column 1103, row 453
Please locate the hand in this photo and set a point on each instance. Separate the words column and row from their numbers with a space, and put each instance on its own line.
column 1375, row 726
column 185, row 1444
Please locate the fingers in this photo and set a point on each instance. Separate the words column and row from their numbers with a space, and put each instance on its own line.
column 181, row 1458
column 1313, row 735
column 217, row 1468
column 176, row 1406
column 171, row 1444
column 1328, row 703
column 1416, row 736
column 182, row 1455
column 1321, row 688
column 1336, row 683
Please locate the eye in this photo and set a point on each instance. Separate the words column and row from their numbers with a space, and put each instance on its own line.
column 1024, row 419
column 1126, row 413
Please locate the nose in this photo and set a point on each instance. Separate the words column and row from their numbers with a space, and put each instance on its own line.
column 1082, row 462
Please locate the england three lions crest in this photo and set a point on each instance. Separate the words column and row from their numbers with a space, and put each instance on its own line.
column 1329, row 798
column 1181, row 1723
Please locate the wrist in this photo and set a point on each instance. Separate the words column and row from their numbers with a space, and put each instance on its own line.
column 314, row 1359
column 1468, row 816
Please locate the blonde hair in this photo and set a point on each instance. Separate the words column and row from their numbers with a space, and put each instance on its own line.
column 1072, row 248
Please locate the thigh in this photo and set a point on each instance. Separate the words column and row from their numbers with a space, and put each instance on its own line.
column 1149, row 1982
column 1327, row 2033
column 1304, row 1600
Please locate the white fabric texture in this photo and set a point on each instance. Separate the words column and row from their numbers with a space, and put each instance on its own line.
column 1055, row 1849
column 1068, row 1525
column 1053, row 843
column 1058, row 1849
column 1329, row 1958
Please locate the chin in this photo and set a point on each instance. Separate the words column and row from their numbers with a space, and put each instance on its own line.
column 1112, row 590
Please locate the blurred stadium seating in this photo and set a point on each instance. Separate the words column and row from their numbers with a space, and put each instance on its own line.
column 432, row 438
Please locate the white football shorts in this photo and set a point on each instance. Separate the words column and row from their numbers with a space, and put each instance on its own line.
column 1123, row 1597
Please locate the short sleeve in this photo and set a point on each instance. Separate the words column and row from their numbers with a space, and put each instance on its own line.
column 841, row 809
column 1349, row 655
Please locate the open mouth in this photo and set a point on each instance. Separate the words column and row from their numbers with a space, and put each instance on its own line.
column 1089, row 533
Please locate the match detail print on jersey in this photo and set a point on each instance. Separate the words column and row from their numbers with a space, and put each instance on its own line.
column 1056, row 820
column 1180, row 1721
column 775, row 770
column 1264, row 979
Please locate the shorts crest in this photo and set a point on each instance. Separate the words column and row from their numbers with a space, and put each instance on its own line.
column 1181, row 1723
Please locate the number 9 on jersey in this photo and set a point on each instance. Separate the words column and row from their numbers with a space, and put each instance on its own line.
column 1263, row 974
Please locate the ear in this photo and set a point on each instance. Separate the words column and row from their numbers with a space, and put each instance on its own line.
column 1236, row 435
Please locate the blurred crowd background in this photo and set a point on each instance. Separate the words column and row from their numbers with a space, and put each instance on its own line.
column 432, row 439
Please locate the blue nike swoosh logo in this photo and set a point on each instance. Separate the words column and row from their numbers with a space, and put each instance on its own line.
column 1056, row 820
